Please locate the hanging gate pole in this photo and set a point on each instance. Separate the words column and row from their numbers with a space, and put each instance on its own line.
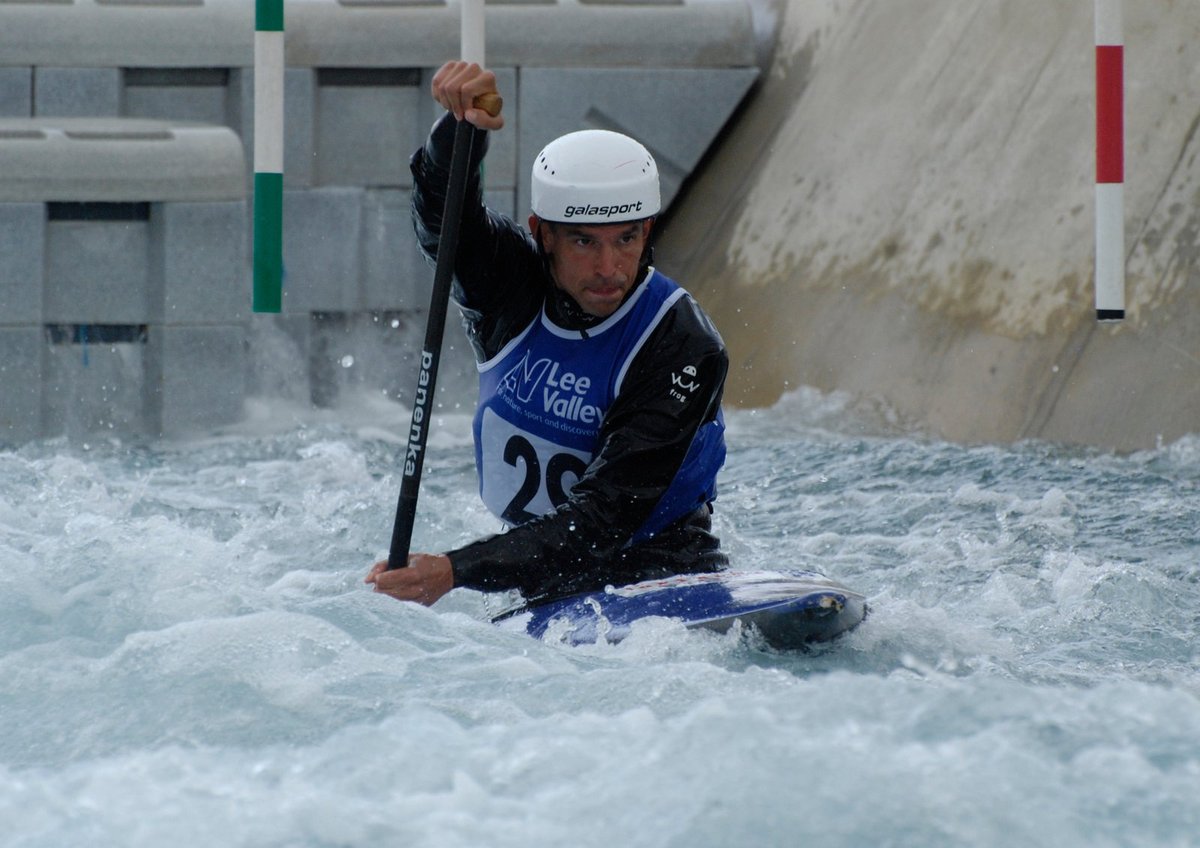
column 1110, row 162
column 268, row 155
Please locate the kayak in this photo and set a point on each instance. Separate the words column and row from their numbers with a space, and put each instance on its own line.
column 791, row 608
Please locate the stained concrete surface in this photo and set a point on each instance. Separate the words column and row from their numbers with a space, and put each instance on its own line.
column 903, row 210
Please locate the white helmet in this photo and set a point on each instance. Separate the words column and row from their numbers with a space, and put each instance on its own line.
column 595, row 177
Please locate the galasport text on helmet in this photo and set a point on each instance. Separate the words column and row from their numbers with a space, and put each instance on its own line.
column 595, row 177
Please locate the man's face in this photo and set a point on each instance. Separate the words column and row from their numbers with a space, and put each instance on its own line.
column 596, row 264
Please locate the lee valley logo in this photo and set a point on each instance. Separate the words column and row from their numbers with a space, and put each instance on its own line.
column 551, row 389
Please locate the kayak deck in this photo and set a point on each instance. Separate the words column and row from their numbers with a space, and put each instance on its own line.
column 790, row 608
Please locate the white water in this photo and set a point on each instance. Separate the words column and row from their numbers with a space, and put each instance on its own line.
column 188, row 656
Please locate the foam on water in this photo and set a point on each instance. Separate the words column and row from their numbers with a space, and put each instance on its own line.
column 188, row 655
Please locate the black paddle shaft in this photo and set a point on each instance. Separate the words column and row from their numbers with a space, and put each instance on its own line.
column 418, row 433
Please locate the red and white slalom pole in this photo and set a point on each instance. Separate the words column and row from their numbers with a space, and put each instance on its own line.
column 1110, row 162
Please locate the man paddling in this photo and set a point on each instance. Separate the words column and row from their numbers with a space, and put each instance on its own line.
column 598, row 434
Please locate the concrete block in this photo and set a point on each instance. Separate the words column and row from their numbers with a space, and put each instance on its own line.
column 458, row 378
column 360, row 351
column 94, row 387
column 196, row 377
column 554, row 33
column 177, row 94
column 128, row 33
column 395, row 274
column 643, row 103
column 16, row 92
column 321, row 265
column 20, row 383
column 97, row 271
column 77, row 92
column 22, row 245
column 118, row 160
column 366, row 126
column 380, row 352
column 277, row 348
column 240, row 115
column 200, row 265
column 299, row 127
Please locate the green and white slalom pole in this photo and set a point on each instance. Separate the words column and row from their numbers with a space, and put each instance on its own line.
column 268, row 155
column 1110, row 161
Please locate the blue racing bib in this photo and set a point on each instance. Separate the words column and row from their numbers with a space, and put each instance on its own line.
column 543, row 398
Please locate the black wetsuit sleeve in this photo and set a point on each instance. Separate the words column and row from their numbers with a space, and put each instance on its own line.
column 499, row 278
column 643, row 441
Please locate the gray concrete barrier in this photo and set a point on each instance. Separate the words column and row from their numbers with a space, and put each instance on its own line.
column 906, row 214
column 356, row 106
column 97, row 159
column 122, row 282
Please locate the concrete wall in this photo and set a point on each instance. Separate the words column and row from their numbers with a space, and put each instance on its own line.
column 904, row 210
column 121, row 297
column 356, row 107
